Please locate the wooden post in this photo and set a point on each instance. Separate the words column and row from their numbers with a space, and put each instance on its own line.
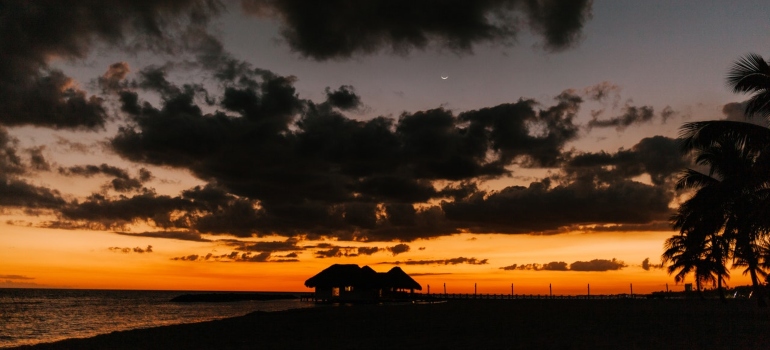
column 475, row 286
column 666, row 287
column 511, row 289
column 632, row 289
column 429, row 290
column 589, row 289
column 444, row 288
column 550, row 290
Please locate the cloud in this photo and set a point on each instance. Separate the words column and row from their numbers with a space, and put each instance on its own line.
column 336, row 252
column 37, row 159
column 736, row 111
column 278, row 164
column 129, row 250
column 32, row 34
column 122, row 182
column 344, row 98
column 540, row 207
column 631, row 115
column 263, row 257
column 453, row 261
column 602, row 92
column 551, row 266
column 16, row 277
column 398, row 249
column 268, row 246
column 178, row 235
column 73, row 146
column 658, row 156
column 339, row 29
column 20, row 194
column 647, row 266
column 593, row 265
column 367, row 250
column 312, row 169
column 597, row 265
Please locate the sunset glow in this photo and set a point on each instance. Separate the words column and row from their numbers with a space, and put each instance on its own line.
column 236, row 150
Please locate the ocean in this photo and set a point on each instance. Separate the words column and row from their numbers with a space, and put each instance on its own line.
column 31, row 316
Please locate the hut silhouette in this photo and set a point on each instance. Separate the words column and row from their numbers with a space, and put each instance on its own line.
column 351, row 283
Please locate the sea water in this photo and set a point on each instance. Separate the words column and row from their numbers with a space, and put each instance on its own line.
column 31, row 316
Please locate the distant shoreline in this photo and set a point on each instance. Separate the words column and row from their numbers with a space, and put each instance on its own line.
column 223, row 297
column 490, row 324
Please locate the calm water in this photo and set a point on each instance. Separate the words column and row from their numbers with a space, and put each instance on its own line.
column 30, row 316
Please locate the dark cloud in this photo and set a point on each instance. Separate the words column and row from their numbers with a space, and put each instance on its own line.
column 122, row 182
column 272, row 246
column 263, row 257
column 129, row 250
column 334, row 251
column 15, row 277
column 593, row 265
column 107, row 213
column 344, row 98
column 16, row 192
column 631, row 115
column 33, row 33
column 597, row 265
column 367, row 250
column 551, row 266
column 37, row 159
column 114, row 78
column 602, row 92
column 667, row 113
column 540, row 207
column 658, row 156
column 298, row 167
column 453, row 261
column 646, row 265
column 178, row 235
column 517, row 130
column 736, row 111
column 73, row 146
column 398, row 249
column 342, row 29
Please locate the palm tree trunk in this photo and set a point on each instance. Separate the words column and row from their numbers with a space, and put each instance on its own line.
column 697, row 286
column 758, row 292
column 721, row 290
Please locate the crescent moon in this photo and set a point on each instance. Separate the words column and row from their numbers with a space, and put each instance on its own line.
column 445, row 77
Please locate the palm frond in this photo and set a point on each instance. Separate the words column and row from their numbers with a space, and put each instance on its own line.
column 690, row 178
column 750, row 73
column 759, row 105
column 705, row 134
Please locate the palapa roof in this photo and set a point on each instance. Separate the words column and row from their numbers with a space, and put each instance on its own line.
column 397, row 278
column 339, row 275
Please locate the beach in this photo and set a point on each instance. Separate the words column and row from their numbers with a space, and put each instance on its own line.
column 466, row 324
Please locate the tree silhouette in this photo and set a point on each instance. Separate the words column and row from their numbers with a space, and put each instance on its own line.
column 751, row 74
column 731, row 204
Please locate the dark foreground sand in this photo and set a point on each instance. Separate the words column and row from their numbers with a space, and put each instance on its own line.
column 471, row 324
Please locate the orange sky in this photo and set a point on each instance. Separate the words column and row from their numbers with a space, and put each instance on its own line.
column 253, row 129
column 81, row 259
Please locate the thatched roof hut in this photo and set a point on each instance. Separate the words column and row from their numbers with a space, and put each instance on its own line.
column 397, row 278
column 343, row 275
column 351, row 282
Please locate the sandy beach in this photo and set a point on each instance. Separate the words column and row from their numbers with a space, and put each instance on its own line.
column 467, row 324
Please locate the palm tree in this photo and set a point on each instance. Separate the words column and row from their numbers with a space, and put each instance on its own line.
column 730, row 210
column 700, row 225
column 732, row 191
column 751, row 74
column 683, row 251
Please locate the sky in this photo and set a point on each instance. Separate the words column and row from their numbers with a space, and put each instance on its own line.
column 247, row 145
